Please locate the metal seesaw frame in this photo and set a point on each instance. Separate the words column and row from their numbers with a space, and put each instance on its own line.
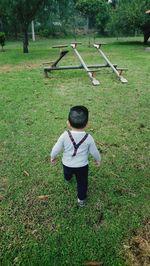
column 90, row 69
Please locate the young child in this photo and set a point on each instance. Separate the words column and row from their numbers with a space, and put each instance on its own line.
column 76, row 145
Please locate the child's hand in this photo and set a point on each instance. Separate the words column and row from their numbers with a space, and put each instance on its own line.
column 98, row 163
column 53, row 160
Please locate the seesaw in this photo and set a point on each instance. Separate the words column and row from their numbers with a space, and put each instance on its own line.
column 90, row 69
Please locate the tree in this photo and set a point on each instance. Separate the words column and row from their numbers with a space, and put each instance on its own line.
column 50, row 15
column 96, row 11
column 130, row 16
column 23, row 12
column 146, row 27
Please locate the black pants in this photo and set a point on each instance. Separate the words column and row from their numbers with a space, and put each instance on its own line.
column 81, row 174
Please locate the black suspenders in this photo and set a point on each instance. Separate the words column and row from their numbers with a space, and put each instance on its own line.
column 76, row 145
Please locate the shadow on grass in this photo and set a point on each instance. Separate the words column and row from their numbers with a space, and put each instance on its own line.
column 134, row 43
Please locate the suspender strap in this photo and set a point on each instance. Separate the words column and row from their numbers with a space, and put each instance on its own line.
column 76, row 145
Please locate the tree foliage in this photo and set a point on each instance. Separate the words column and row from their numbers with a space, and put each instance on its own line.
column 59, row 16
column 96, row 11
column 130, row 16
column 53, row 16
column 22, row 12
column 25, row 11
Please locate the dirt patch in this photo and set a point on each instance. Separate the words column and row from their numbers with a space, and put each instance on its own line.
column 138, row 249
column 147, row 49
column 12, row 68
column 3, row 187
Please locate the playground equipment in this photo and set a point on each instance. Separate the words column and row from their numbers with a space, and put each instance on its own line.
column 90, row 69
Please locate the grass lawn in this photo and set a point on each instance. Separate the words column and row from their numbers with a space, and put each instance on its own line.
column 34, row 111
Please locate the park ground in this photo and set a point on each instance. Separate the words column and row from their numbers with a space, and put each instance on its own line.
column 40, row 221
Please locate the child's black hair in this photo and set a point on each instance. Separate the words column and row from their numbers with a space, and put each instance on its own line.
column 78, row 116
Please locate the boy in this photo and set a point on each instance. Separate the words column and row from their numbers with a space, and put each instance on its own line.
column 76, row 145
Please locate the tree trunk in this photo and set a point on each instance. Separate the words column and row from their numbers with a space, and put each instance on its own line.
column 146, row 37
column 146, row 32
column 1, row 25
column 15, row 32
column 25, row 40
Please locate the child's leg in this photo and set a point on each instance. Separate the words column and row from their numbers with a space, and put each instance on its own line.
column 82, row 181
column 68, row 173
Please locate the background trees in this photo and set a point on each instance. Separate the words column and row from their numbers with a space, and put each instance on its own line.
column 17, row 15
column 96, row 12
column 129, row 17
column 24, row 12
column 52, row 17
column 56, row 17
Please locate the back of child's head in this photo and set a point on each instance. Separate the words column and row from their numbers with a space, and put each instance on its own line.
column 78, row 116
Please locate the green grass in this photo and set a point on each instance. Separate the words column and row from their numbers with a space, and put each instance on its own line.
column 33, row 114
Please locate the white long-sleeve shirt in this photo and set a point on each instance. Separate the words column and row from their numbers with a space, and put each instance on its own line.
column 81, row 158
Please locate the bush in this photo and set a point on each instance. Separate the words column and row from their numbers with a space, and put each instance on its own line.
column 44, row 33
column 52, row 30
column 2, row 39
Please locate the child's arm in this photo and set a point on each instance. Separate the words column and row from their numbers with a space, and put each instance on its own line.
column 94, row 152
column 57, row 148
